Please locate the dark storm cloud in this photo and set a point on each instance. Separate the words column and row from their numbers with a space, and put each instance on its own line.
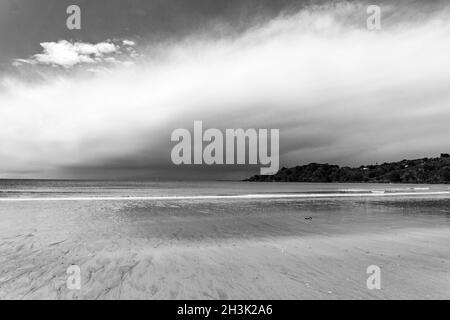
column 337, row 92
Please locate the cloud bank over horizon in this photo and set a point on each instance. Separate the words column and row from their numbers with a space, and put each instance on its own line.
column 338, row 92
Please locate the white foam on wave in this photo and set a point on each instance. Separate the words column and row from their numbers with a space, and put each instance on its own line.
column 385, row 190
column 244, row 196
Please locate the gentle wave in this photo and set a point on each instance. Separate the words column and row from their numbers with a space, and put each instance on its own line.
column 244, row 196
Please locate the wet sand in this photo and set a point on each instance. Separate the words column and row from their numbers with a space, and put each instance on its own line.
column 227, row 249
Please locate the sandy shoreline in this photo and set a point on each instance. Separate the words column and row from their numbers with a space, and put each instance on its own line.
column 198, row 250
column 414, row 264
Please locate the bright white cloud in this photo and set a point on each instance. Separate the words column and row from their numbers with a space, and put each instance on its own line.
column 337, row 91
column 128, row 43
column 67, row 54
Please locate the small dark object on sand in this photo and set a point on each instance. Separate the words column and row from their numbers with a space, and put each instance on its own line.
column 308, row 218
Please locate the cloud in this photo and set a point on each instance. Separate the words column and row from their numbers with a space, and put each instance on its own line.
column 69, row 54
column 128, row 43
column 337, row 91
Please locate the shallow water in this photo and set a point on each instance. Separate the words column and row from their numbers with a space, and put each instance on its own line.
column 214, row 218
column 85, row 188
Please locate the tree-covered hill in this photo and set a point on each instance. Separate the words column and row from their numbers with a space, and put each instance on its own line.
column 426, row 170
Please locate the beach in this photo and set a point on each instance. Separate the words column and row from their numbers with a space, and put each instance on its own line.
column 305, row 247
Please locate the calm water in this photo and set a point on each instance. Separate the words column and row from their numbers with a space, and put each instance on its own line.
column 216, row 217
column 72, row 188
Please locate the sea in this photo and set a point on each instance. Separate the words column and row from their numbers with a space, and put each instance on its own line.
column 216, row 209
column 144, row 190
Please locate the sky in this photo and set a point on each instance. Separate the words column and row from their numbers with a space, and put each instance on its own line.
column 102, row 102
